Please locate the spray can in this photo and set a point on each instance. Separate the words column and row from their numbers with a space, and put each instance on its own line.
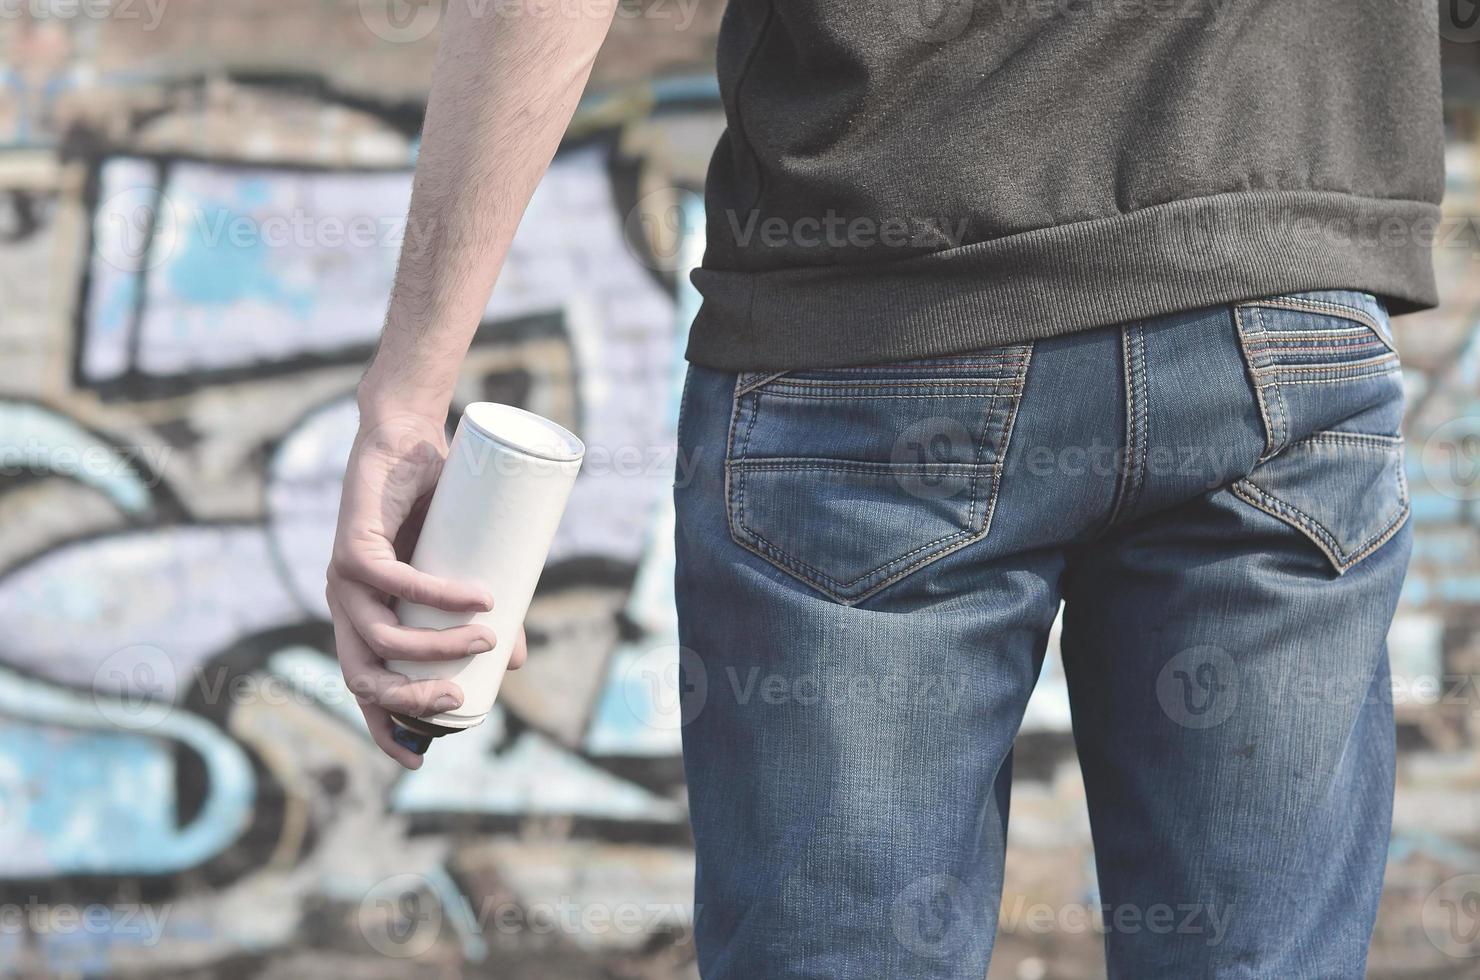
column 491, row 520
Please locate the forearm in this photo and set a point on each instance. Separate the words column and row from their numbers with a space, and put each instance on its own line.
column 508, row 77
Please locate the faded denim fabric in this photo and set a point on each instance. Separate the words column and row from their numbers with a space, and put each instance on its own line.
column 868, row 564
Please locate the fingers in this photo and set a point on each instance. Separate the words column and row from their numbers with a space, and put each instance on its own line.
column 396, row 578
column 389, row 640
column 378, row 720
column 370, row 682
column 520, row 652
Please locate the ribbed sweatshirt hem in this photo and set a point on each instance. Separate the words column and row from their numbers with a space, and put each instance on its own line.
column 1051, row 281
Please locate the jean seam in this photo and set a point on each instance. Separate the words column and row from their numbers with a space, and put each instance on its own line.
column 1284, row 412
column 939, row 548
column 1136, row 423
column 735, row 513
column 1269, row 376
column 844, row 396
column 1010, row 357
column 1288, row 512
column 794, row 562
column 997, row 466
column 1333, row 309
column 991, row 502
column 1315, row 530
column 1325, row 381
column 1252, row 367
column 1130, row 411
column 866, row 390
column 755, row 411
column 798, row 563
column 683, row 401
column 777, row 463
column 1340, row 349
column 981, row 445
column 978, row 382
column 1359, row 365
column 730, row 487
column 1144, row 401
column 1339, row 437
column 1322, row 333
column 746, row 383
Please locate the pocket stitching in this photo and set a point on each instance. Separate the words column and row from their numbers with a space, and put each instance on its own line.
column 981, row 447
column 1009, row 357
column 683, row 401
column 1315, row 530
column 774, row 463
column 1365, row 362
column 1284, row 409
column 772, row 554
column 755, row 413
column 792, row 561
column 746, row 383
column 1302, row 305
column 1012, row 353
column 1328, row 381
column 1250, row 363
column 905, row 387
column 1365, row 439
column 843, row 465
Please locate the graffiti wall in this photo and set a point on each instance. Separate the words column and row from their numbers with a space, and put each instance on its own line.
column 194, row 258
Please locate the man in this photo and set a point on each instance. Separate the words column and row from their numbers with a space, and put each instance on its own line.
column 1005, row 305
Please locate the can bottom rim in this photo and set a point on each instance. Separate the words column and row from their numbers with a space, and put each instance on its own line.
column 416, row 734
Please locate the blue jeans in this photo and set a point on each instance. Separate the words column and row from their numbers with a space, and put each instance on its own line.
column 869, row 560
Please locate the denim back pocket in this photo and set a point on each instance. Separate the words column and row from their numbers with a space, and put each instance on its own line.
column 1320, row 361
column 1329, row 386
column 850, row 479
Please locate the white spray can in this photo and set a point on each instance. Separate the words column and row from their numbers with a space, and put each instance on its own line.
column 491, row 520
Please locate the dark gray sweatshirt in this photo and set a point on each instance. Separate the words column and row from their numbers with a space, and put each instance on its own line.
column 909, row 178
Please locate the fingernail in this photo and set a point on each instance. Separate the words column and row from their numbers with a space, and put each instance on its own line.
column 487, row 602
column 446, row 703
column 480, row 646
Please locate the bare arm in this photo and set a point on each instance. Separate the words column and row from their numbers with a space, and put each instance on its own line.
column 503, row 90
column 507, row 79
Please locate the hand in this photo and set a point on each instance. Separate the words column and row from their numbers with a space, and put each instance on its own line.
column 393, row 467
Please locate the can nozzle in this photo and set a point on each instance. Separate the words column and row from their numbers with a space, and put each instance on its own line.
column 408, row 739
column 416, row 734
